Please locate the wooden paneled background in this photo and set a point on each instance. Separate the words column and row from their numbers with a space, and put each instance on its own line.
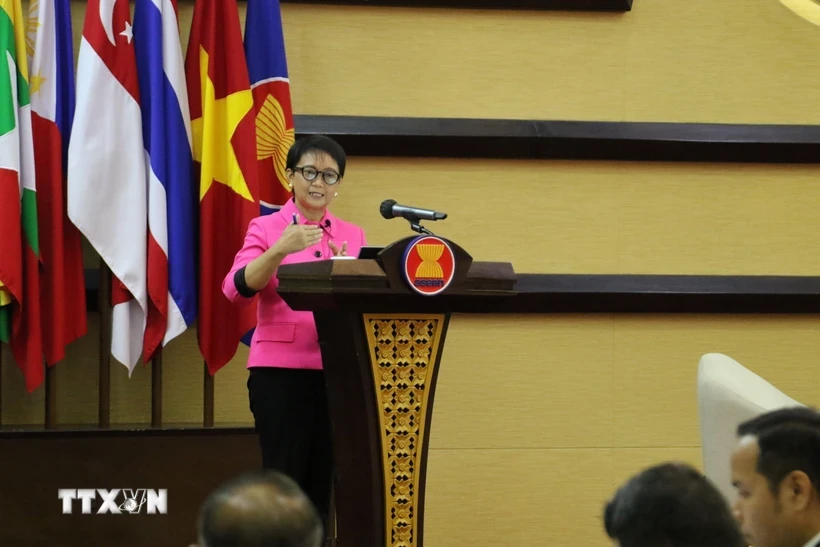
column 538, row 418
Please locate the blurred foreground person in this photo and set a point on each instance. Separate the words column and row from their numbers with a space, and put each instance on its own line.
column 670, row 505
column 259, row 509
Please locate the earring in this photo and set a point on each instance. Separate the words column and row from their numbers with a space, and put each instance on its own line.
column 336, row 194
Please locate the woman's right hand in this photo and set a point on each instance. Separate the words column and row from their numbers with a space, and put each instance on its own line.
column 298, row 237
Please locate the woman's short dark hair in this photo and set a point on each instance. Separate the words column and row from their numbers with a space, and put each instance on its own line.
column 671, row 505
column 317, row 143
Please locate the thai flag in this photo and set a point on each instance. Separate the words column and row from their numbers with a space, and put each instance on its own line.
column 166, row 129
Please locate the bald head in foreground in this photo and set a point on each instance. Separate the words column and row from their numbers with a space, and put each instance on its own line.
column 259, row 509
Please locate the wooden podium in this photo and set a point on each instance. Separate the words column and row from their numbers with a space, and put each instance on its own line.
column 382, row 324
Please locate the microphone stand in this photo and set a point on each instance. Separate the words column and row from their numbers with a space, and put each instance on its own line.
column 415, row 225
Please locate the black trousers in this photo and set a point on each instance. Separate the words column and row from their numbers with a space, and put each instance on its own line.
column 291, row 416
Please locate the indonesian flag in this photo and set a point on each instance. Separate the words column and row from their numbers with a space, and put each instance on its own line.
column 107, row 197
column 166, row 126
column 62, row 287
column 224, row 132
column 19, row 248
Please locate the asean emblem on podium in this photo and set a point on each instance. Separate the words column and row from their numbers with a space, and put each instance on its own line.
column 429, row 265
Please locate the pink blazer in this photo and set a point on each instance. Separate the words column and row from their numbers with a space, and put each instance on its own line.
column 283, row 337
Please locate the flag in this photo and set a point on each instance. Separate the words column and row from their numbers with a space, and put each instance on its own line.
column 20, row 259
column 166, row 131
column 223, row 124
column 107, row 197
column 62, row 286
column 268, row 70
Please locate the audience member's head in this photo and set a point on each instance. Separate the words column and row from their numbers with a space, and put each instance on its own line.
column 670, row 505
column 776, row 471
column 259, row 509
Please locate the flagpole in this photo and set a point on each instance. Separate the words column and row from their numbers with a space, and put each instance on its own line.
column 208, row 402
column 51, row 397
column 104, row 366
column 156, row 389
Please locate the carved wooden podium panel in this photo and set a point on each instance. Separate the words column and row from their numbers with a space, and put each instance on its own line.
column 382, row 325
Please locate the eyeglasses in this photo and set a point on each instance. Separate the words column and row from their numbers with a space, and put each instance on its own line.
column 310, row 173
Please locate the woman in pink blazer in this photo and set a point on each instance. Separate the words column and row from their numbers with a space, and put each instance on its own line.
column 286, row 384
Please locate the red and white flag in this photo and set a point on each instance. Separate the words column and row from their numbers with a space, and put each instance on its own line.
column 107, row 196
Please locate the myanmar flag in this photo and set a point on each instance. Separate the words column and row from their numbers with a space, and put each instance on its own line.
column 19, row 248
column 223, row 126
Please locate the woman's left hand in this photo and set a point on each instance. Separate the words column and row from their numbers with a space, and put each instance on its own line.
column 337, row 251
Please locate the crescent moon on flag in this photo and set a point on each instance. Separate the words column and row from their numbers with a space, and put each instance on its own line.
column 807, row 9
column 107, row 18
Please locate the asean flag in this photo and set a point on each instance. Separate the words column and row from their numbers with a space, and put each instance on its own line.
column 268, row 70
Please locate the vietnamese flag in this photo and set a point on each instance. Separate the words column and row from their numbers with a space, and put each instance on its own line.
column 223, row 125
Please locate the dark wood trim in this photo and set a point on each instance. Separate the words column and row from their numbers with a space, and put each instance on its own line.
column 573, row 140
column 546, row 5
column 568, row 293
column 617, row 293
column 92, row 430
column 556, row 293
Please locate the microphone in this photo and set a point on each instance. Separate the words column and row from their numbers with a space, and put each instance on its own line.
column 390, row 209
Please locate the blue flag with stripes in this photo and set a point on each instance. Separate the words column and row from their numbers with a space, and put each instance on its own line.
column 172, row 194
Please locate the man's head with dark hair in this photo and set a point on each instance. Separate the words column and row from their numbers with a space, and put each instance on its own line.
column 776, row 471
column 670, row 505
column 259, row 509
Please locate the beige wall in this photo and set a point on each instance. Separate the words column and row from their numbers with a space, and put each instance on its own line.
column 538, row 418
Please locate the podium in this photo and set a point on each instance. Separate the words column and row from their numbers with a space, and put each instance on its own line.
column 382, row 325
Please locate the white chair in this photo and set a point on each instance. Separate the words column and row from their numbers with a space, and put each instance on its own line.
column 729, row 394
